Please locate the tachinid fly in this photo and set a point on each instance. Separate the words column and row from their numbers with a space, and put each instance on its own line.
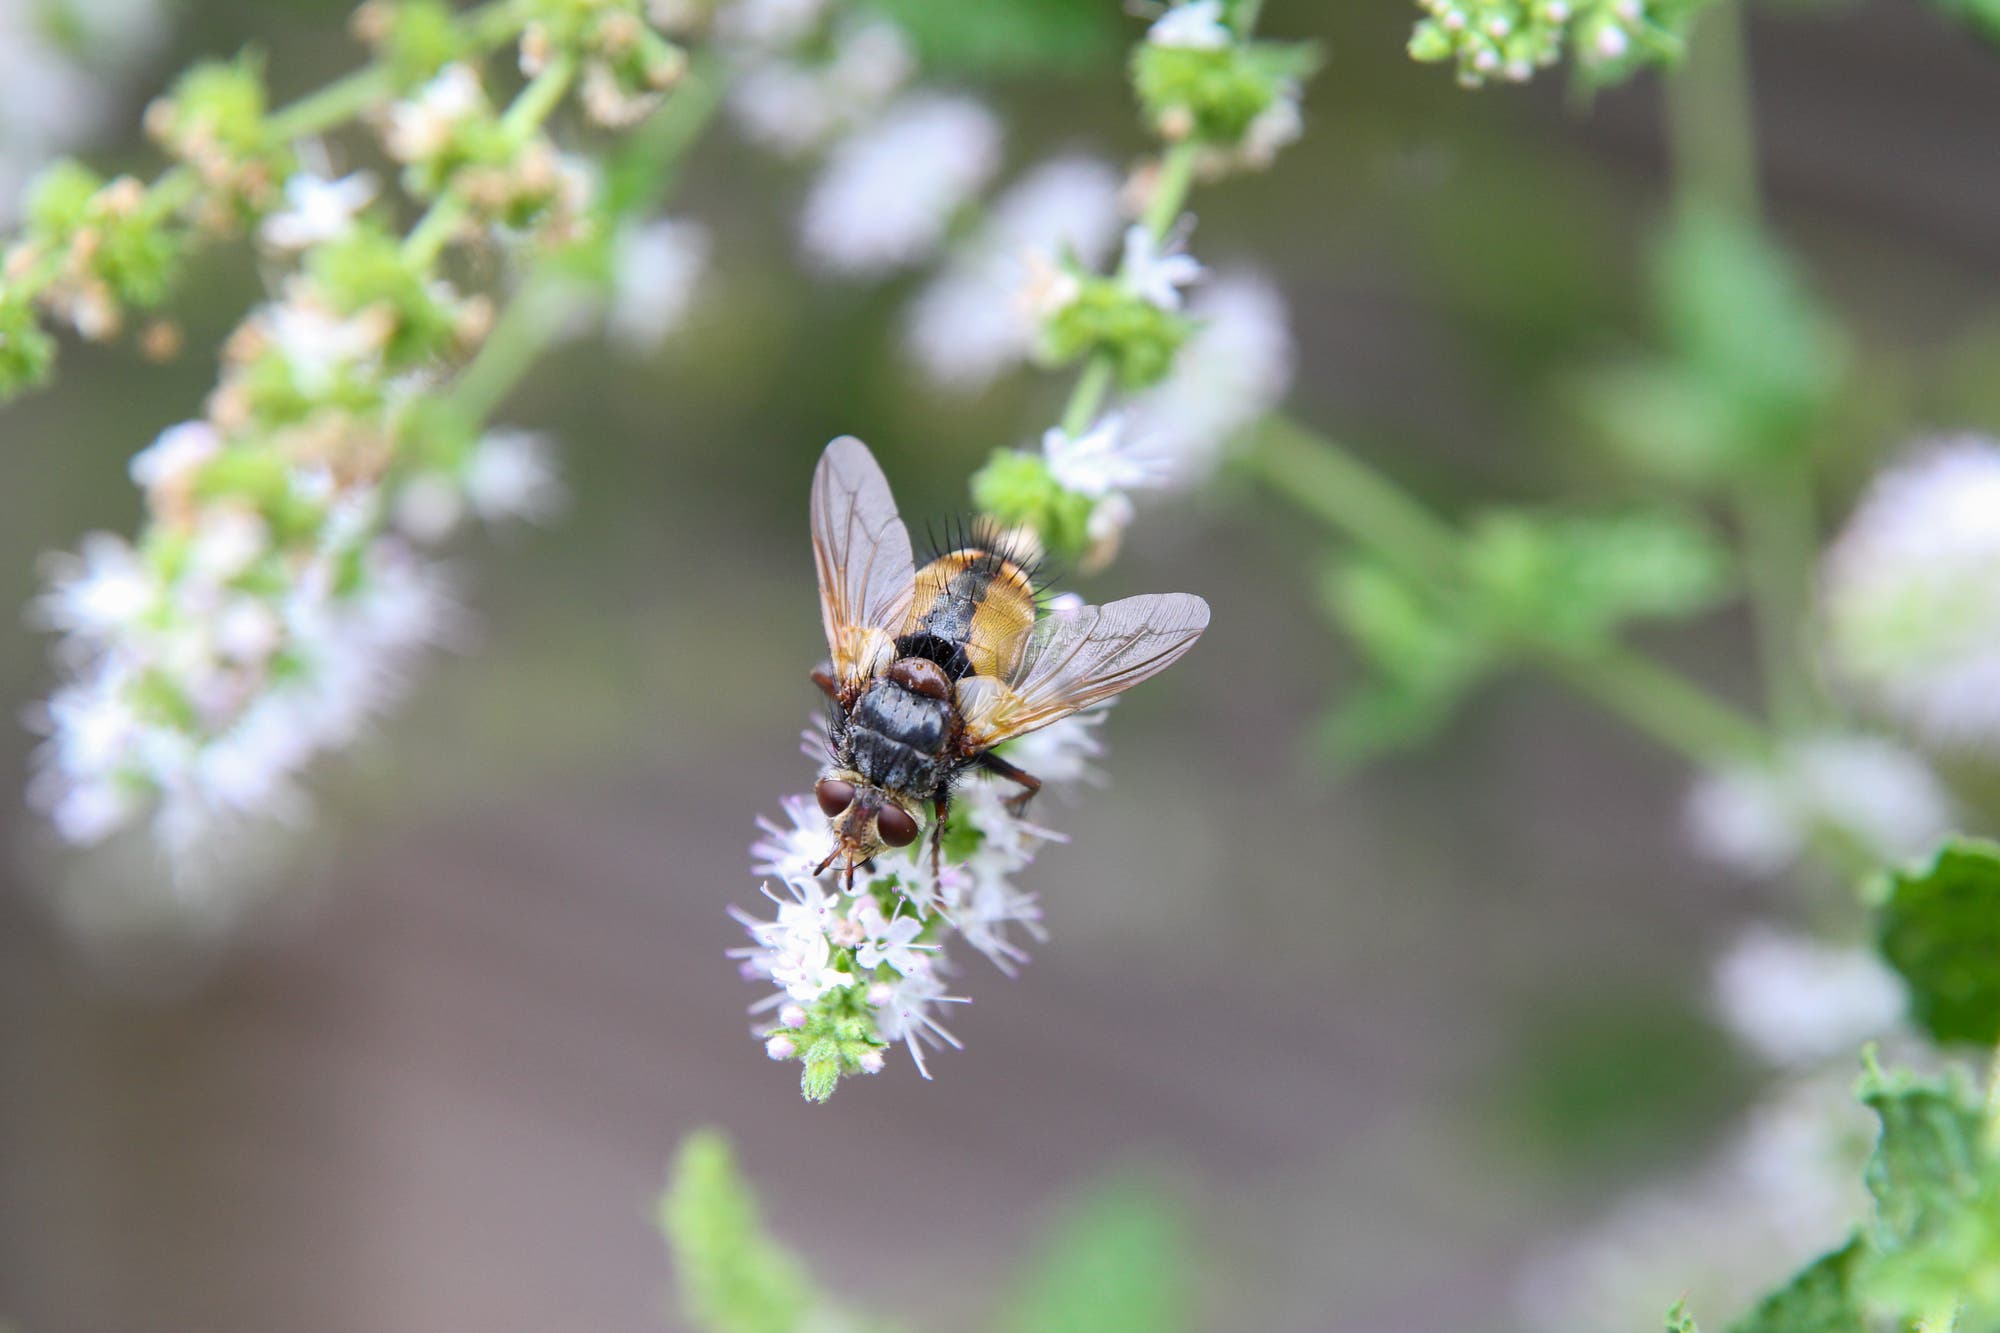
column 933, row 667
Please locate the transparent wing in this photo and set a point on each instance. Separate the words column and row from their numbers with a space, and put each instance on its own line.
column 862, row 549
column 1073, row 659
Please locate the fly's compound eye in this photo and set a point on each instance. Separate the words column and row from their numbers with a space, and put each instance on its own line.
column 834, row 796
column 896, row 826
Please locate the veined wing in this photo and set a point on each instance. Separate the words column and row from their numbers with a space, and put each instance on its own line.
column 866, row 574
column 1073, row 659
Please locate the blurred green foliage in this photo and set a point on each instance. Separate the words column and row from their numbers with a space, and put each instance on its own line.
column 1010, row 36
column 1940, row 929
column 1116, row 1262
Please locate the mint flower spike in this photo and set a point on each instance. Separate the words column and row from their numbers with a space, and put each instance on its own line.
column 855, row 975
column 1510, row 40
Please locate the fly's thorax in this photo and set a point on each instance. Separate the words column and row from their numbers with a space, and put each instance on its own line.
column 900, row 738
column 971, row 607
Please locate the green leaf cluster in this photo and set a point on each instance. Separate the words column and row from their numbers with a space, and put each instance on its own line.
column 366, row 269
column 1105, row 318
column 1216, row 95
column 734, row 1276
column 1750, row 366
column 119, row 232
column 27, row 352
column 1016, row 489
column 1933, row 1244
column 1940, row 928
column 417, row 38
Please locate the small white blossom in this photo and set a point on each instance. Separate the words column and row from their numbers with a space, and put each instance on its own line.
column 907, row 1016
column 1195, row 25
column 789, row 851
column 885, row 941
column 1063, row 752
column 419, row 129
column 174, row 456
column 511, row 476
column 317, row 210
column 657, row 268
column 1101, row 460
column 793, row 106
column 1911, row 594
column 890, row 191
column 769, row 24
column 98, row 591
column 1757, row 820
column 1234, row 371
column 1794, row 1000
column 1156, row 272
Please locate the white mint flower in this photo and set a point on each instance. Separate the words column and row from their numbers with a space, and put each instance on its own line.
column 1795, row 1000
column 1101, row 460
column 1156, row 272
column 420, row 128
column 769, row 24
column 1910, row 596
column 100, row 590
column 906, row 1016
column 656, row 269
column 511, row 476
column 1196, row 25
column 887, row 941
column 788, row 852
column 1063, row 752
column 1758, row 820
column 890, row 191
column 1233, row 372
column 317, row 210
column 321, row 346
column 980, row 315
column 795, row 106
column 174, row 456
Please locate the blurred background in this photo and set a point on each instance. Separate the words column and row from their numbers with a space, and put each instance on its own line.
column 1387, row 1036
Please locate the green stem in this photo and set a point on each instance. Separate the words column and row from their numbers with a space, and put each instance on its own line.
column 1710, row 120
column 1373, row 511
column 1712, row 127
column 433, row 231
column 538, row 101
column 488, row 26
column 1093, row 385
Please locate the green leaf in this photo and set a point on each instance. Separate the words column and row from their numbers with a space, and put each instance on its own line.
column 1658, row 416
column 1680, row 1321
column 1940, row 929
column 734, row 1277
column 1009, row 36
column 1743, row 323
column 1425, row 659
column 1117, row 1263
column 1981, row 16
column 1820, row 1299
column 1937, row 1222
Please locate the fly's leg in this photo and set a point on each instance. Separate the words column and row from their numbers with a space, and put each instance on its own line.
column 822, row 676
column 1030, row 784
column 942, row 808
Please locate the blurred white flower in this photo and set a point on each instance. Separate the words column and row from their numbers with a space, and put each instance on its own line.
column 1757, row 820
column 64, row 65
column 793, row 106
column 511, row 476
column 889, row 192
column 174, row 455
column 657, row 267
column 1795, row 1000
column 420, row 128
column 1156, row 271
column 1195, row 25
column 1102, row 460
column 1234, row 371
column 976, row 319
column 1063, row 752
column 769, row 24
column 1784, row 1190
column 791, row 850
column 317, row 210
column 1911, row 593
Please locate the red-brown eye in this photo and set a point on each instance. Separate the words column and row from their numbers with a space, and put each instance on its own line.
column 896, row 826
column 834, row 796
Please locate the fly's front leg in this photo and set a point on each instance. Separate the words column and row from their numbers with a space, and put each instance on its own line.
column 942, row 808
column 822, row 676
column 1030, row 784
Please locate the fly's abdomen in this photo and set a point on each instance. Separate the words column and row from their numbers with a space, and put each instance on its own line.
column 899, row 739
